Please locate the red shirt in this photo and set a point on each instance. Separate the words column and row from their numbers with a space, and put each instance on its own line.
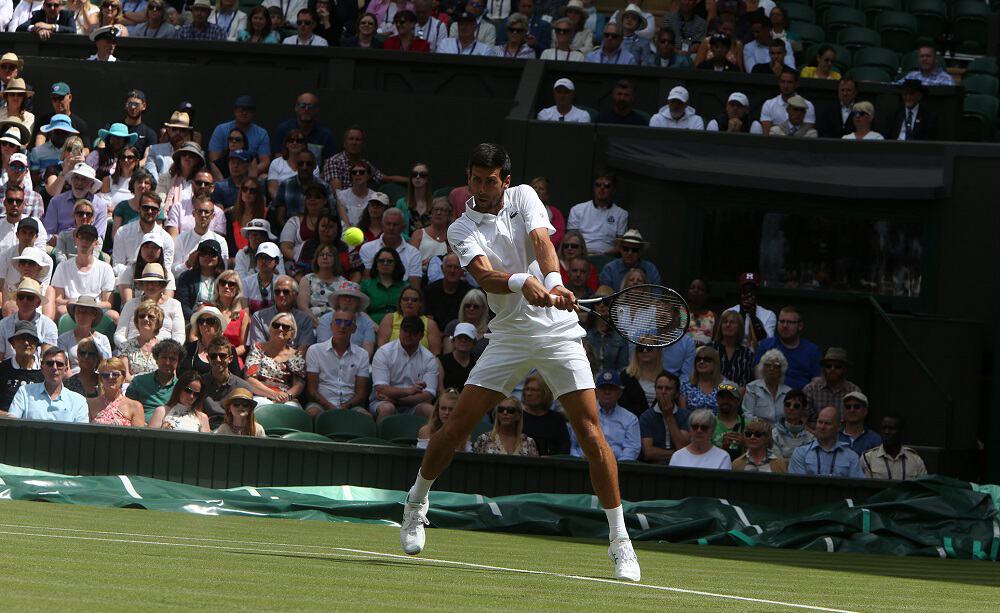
column 418, row 44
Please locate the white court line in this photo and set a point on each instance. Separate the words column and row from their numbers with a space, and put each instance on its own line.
column 361, row 552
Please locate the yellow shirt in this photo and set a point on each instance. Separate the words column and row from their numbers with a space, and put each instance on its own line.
column 809, row 72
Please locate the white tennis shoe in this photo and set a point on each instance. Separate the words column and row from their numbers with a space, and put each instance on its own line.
column 411, row 532
column 623, row 557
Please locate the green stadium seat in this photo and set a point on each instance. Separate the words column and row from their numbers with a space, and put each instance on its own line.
column 979, row 117
column 855, row 38
column 105, row 326
column 401, row 428
column 642, row 115
column 372, row 440
column 393, row 190
column 910, row 61
column 808, row 33
column 565, row 456
column 344, row 425
column 306, row 436
column 821, row 6
column 983, row 65
column 879, row 57
column 871, row 74
column 799, row 12
column 836, row 18
column 844, row 58
column 590, row 111
column 932, row 17
column 280, row 419
column 898, row 30
column 872, row 9
column 980, row 84
column 785, row 3
column 970, row 26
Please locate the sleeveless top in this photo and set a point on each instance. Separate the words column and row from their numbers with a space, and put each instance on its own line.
column 430, row 247
column 111, row 416
column 397, row 319
column 182, row 418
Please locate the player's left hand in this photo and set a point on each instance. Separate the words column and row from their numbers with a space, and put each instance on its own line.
column 562, row 298
column 534, row 292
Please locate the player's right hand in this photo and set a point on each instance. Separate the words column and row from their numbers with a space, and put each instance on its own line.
column 534, row 292
column 563, row 298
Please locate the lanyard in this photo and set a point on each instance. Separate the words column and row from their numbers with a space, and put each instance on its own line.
column 617, row 55
column 888, row 469
column 229, row 24
column 833, row 460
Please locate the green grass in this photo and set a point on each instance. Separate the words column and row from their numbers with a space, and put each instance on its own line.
column 270, row 564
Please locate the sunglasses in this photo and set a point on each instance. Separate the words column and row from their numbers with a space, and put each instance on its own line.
column 386, row 261
column 208, row 321
column 643, row 349
column 421, row 174
column 281, row 327
column 248, row 190
column 506, row 410
column 704, row 359
column 86, row 354
column 612, row 35
column 202, row 183
column 344, row 323
column 755, row 434
column 516, row 30
column 228, row 284
column 295, row 139
column 359, row 172
column 631, row 250
column 571, row 245
column 282, row 292
column 793, row 405
column 561, row 30
column 307, row 106
column 26, row 297
column 54, row 363
column 242, row 404
column 602, row 185
column 218, row 356
column 14, row 200
column 236, row 139
column 703, row 427
column 129, row 158
column 114, row 374
column 8, row 67
column 191, row 390
column 151, row 209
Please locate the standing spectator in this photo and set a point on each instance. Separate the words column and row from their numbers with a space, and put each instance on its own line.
column 759, row 322
column 337, row 373
column 305, row 23
column 385, row 284
column 731, row 424
column 836, row 119
column 676, row 113
column 443, row 407
column 765, row 397
column 639, row 379
column 664, row 425
column 700, row 389
column 702, row 323
column 59, row 212
column 736, row 360
column 912, row 121
column 929, row 73
column 258, row 141
column 611, row 50
column 220, row 382
column 864, row 113
column 631, row 246
column 153, row 389
column 443, row 297
column 803, row 356
column 507, row 436
column 790, row 432
column 316, row 136
column 410, row 304
column 137, row 351
column 86, row 313
column 795, row 125
column 196, row 286
column 774, row 112
column 736, row 118
column 405, row 375
column 22, row 365
column 49, row 400
column 666, row 55
column 620, row 426
column 274, row 368
column 562, row 47
column 544, row 425
column 830, row 388
column 458, row 363
column 184, row 410
column 84, row 275
column 392, row 237
column 760, row 456
column 689, row 28
column 855, row 432
column 826, row 456
column 200, row 27
column 563, row 94
column 286, row 294
column 891, row 460
column 700, row 452
column 600, row 220
column 622, row 110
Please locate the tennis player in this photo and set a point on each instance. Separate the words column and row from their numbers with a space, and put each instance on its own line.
column 502, row 239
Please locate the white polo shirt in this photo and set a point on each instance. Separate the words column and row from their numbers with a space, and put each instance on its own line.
column 775, row 111
column 599, row 226
column 392, row 366
column 129, row 239
column 575, row 115
column 409, row 255
column 187, row 241
column 337, row 373
column 504, row 239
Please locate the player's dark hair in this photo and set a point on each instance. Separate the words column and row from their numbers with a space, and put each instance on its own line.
column 490, row 155
column 412, row 323
column 780, row 44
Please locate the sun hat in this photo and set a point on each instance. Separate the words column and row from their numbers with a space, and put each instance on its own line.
column 12, row 135
column 120, row 130
column 18, row 86
column 633, row 236
column 350, row 288
column 574, row 5
column 30, row 286
column 797, row 102
column 633, row 9
column 25, row 328
column 36, row 255
column 258, row 225
column 153, row 272
column 189, row 147
column 83, row 169
column 835, row 354
column 211, row 311
column 10, row 56
column 857, row 396
column 84, row 301
column 179, row 119
column 13, row 123
column 202, row 4
column 240, row 393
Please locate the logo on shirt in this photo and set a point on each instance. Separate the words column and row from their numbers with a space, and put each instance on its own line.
column 611, row 219
column 513, row 214
column 463, row 249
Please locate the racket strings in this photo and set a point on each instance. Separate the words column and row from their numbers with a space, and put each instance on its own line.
column 649, row 316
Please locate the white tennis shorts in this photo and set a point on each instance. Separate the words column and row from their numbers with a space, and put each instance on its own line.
column 507, row 361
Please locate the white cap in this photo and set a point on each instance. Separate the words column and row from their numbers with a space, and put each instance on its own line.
column 739, row 97
column 151, row 237
column 19, row 157
column 678, row 93
column 465, row 329
column 564, row 82
column 269, row 249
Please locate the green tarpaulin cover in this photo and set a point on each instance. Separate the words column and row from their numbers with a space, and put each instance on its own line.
column 933, row 516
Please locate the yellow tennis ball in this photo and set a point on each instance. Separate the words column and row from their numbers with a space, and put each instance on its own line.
column 354, row 237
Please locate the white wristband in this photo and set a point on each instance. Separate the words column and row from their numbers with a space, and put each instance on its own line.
column 553, row 279
column 516, row 281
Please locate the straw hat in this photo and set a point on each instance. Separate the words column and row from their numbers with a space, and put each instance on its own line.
column 84, row 301
column 18, row 86
column 210, row 311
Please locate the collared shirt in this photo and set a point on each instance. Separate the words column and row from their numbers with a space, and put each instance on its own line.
column 434, row 31
column 365, row 332
column 614, row 272
column 146, row 389
column 129, row 240
column 739, row 367
column 758, row 402
column 46, row 329
column 574, row 115
column 621, row 430
column 775, row 110
column 338, row 166
column 452, row 46
column 621, row 56
column 409, row 255
column 319, row 138
column 216, row 392
column 878, row 464
column 819, row 394
column 392, row 366
column 766, row 316
column 211, row 32
column 383, row 300
column 188, row 241
column 653, row 425
column 678, row 358
column 258, row 140
column 59, row 214
column 337, row 373
column 939, row 76
column 315, row 41
column 33, row 205
column 813, row 459
column 755, row 53
column 32, row 401
column 600, row 227
column 868, row 439
column 910, row 116
column 786, row 441
column 291, row 197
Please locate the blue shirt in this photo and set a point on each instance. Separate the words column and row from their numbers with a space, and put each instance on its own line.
column 621, row 430
column 803, row 361
column 811, row 459
column 611, row 349
column 258, row 142
column 651, row 425
column 225, row 193
column 679, row 357
column 621, row 56
column 320, row 139
column 33, row 402
column 290, row 196
column 865, row 441
column 615, row 270
column 365, row 332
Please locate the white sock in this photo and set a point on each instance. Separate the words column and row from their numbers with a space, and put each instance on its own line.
column 418, row 493
column 616, row 524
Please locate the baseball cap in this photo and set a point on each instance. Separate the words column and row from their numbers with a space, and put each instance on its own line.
column 678, row 93
column 210, row 245
column 19, row 157
column 61, row 89
column 856, row 396
column 245, row 102
column 151, row 237
column 465, row 329
column 728, row 387
column 136, row 93
column 241, row 154
column 269, row 249
column 564, row 82
column 740, row 98
column 748, row 277
column 608, row 377
column 465, row 16
column 379, row 197
column 28, row 223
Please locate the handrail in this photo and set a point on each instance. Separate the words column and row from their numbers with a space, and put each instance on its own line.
column 949, row 402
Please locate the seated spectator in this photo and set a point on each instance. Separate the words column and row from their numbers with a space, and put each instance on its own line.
column 365, row 37
column 827, row 455
column 154, row 388
column 795, row 125
column 760, row 456
column 574, row 246
column 802, row 355
column 15, row 175
column 474, row 309
column 371, row 218
column 256, row 233
column 85, row 381
column 14, row 222
column 700, row 452
column 830, row 388
column 582, row 37
column 328, row 231
column 57, row 131
column 137, row 351
column 431, row 240
column 863, row 114
column 180, row 204
column 891, row 460
column 229, row 299
column 304, row 226
column 776, row 64
column 274, row 368
column 30, row 263
column 689, row 28
column 538, row 34
column 790, row 432
column 206, row 325
column 86, row 312
column 774, row 112
column 639, row 379
column 405, row 375
column 200, row 28
column 153, row 283
column 286, row 292
column 562, row 48
column 459, row 362
column 59, row 212
column 111, row 15
column 929, row 73
column 305, row 23
column 258, row 141
column 666, row 55
column 578, row 275
column 348, row 296
column 467, row 38
column 316, row 288
column 736, row 118
column 676, row 113
column 631, row 246
column 249, row 207
column 239, row 419
column 177, row 185
column 196, row 286
column 663, row 426
column 129, row 243
column 392, row 236
column 406, row 38
column 385, row 285
column 855, row 432
column 822, row 65
column 410, row 304
column 184, row 410
column 155, row 25
column 257, row 28
column 49, row 20
column 22, row 364
column 443, row 407
column 28, row 299
column 115, row 409
column 53, row 163
column 258, row 285
column 542, row 423
column 600, row 221
column 611, row 349
column 699, row 390
column 220, row 380
column 611, row 50
column 443, row 297
column 702, row 323
column 187, row 244
column 563, row 94
column 759, row 322
column 290, row 198
column 337, row 372
column 286, row 165
column 179, row 131
column 516, row 40
column 758, row 50
column 352, row 200
column 620, row 426
column 725, row 24
column 720, row 45
column 621, row 112
column 731, row 424
column 507, row 436
column 765, row 396
column 836, row 118
column 65, row 246
column 15, row 95
column 49, row 400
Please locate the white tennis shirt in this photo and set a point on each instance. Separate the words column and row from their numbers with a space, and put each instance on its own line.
column 504, row 239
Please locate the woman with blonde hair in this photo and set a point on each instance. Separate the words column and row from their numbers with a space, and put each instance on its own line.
column 759, row 457
column 698, row 391
column 111, row 14
column 275, row 370
column 473, row 309
column 113, row 408
column 765, row 396
column 639, row 379
column 443, row 406
column 507, row 436
column 231, row 302
column 136, row 353
column 87, row 15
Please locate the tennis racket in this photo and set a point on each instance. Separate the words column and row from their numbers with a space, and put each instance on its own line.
column 647, row 315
